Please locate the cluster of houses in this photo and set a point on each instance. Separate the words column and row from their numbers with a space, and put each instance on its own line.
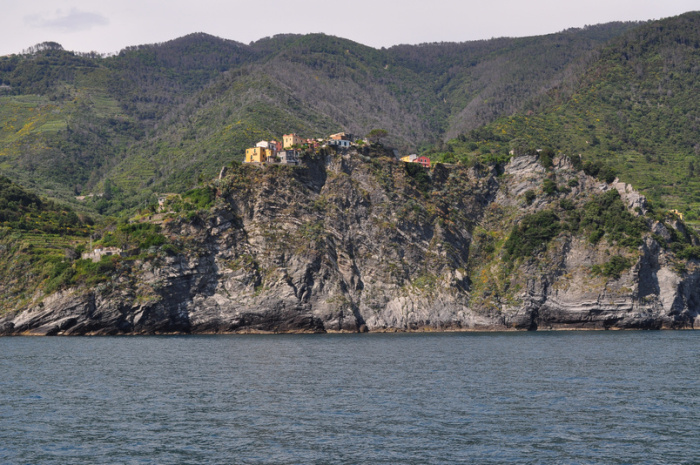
column 287, row 152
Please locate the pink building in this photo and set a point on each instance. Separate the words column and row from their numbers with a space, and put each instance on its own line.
column 425, row 161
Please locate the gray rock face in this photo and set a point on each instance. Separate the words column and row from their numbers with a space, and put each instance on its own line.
column 342, row 244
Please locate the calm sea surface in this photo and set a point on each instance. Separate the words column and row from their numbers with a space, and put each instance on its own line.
column 589, row 397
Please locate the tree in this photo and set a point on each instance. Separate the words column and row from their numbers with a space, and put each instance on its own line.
column 108, row 190
column 376, row 135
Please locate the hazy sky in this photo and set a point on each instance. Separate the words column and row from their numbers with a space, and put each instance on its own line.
column 87, row 25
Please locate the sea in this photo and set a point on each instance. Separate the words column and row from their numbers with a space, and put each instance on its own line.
column 423, row 398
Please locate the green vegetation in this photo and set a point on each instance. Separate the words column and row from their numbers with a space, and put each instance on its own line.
column 140, row 236
column 530, row 196
column 546, row 157
column 632, row 112
column 690, row 252
column 39, row 239
column 200, row 198
column 600, row 170
column 604, row 216
column 161, row 118
column 613, row 268
column 416, row 172
column 549, row 187
column 25, row 211
column 607, row 216
column 532, row 234
column 376, row 135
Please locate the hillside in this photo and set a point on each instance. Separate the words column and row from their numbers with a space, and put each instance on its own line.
column 159, row 117
column 635, row 107
column 38, row 241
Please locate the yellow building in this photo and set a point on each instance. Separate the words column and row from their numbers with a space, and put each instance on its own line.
column 257, row 154
column 678, row 214
column 290, row 140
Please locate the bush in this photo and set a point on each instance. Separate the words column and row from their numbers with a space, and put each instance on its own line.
column 567, row 204
column 549, row 187
column 606, row 214
column 201, row 198
column 419, row 175
column 530, row 196
column 595, row 236
column 546, row 158
column 600, row 171
column 690, row 252
column 576, row 162
column 613, row 268
column 128, row 235
column 532, row 234
column 60, row 276
column 93, row 273
column 170, row 249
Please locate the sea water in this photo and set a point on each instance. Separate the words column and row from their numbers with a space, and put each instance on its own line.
column 482, row 398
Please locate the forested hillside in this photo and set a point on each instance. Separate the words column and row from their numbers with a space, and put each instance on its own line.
column 162, row 117
column 635, row 108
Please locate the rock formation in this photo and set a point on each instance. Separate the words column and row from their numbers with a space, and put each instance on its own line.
column 351, row 243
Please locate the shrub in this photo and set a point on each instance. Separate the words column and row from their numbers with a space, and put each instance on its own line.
column 201, row 198
column 93, row 273
column 606, row 214
column 600, row 171
column 170, row 249
column 567, row 204
column 576, row 162
column 60, row 276
column 613, row 268
column 419, row 175
column 549, row 187
column 530, row 196
column 546, row 158
column 690, row 252
column 532, row 234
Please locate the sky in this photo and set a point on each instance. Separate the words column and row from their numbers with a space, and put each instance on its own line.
column 107, row 27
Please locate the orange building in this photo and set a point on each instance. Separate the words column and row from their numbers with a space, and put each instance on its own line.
column 290, row 140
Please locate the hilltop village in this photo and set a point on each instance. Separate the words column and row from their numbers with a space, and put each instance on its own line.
column 289, row 150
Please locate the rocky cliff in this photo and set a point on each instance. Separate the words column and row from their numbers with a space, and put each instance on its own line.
column 346, row 242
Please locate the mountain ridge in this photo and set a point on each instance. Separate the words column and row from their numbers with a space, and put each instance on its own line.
column 137, row 98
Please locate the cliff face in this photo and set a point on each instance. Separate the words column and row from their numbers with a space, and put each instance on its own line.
column 349, row 243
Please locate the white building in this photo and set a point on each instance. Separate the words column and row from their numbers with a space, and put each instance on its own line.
column 288, row 157
column 97, row 254
column 339, row 143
